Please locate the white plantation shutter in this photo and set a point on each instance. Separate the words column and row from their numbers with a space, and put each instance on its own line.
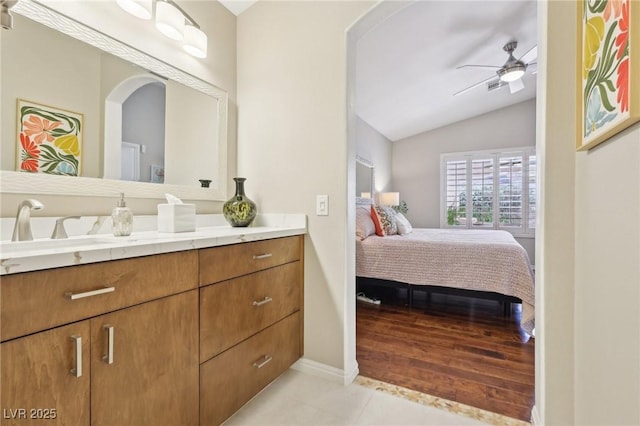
column 489, row 190
column 533, row 188
column 510, row 191
column 456, row 186
column 482, row 177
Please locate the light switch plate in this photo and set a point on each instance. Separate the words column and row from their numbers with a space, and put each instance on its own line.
column 322, row 205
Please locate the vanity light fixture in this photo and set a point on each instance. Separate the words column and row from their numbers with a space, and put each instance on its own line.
column 169, row 20
column 172, row 21
column 142, row 9
column 195, row 41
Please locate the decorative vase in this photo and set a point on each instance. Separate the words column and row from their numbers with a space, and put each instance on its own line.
column 239, row 210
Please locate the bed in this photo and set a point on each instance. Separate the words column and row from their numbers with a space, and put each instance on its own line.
column 487, row 261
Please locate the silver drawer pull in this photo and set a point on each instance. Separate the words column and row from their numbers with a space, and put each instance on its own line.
column 262, row 256
column 104, row 290
column 77, row 372
column 108, row 357
column 264, row 301
column 267, row 359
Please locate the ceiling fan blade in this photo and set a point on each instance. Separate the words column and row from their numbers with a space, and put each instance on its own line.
column 478, row 66
column 516, row 86
column 531, row 55
column 478, row 84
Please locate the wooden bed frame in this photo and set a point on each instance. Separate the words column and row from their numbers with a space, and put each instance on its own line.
column 504, row 299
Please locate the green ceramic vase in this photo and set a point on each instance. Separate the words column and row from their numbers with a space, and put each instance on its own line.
column 239, row 210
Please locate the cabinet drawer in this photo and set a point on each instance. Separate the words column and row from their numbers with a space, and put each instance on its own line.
column 221, row 263
column 232, row 378
column 39, row 300
column 233, row 310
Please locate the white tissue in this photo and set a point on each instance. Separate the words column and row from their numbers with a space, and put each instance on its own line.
column 176, row 216
column 172, row 199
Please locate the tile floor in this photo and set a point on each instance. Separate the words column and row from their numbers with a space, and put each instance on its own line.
column 301, row 399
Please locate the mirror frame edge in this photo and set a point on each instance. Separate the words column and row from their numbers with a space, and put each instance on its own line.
column 369, row 164
column 15, row 182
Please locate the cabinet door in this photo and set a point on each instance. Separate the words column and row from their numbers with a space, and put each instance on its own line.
column 152, row 376
column 45, row 377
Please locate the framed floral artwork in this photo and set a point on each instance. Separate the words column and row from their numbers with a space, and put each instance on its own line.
column 608, row 69
column 49, row 139
column 157, row 174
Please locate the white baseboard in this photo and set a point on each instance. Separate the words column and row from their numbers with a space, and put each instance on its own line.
column 535, row 417
column 325, row 371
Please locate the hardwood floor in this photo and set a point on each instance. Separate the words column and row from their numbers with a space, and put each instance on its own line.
column 458, row 348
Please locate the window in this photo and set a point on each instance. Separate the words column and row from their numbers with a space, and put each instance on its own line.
column 495, row 190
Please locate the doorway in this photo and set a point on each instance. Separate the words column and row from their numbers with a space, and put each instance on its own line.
column 378, row 14
column 127, row 110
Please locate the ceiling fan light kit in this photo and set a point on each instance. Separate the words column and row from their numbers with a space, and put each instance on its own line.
column 510, row 73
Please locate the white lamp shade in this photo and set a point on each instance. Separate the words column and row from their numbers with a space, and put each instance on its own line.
column 169, row 20
column 139, row 8
column 195, row 41
column 390, row 198
column 512, row 74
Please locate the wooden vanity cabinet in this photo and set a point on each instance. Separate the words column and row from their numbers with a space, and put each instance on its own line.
column 153, row 377
column 183, row 338
column 250, row 321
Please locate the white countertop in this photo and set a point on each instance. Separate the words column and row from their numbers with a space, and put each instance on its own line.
column 45, row 253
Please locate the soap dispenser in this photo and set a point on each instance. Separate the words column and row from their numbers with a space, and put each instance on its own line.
column 122, row 218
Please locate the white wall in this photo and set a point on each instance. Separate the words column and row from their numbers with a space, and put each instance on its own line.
column 292, row 145
column 588, row 354
column 607, row 291
column 373, row 146
column 555, row 236
column 416, row 160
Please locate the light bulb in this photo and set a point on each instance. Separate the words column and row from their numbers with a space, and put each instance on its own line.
column 512, row 74
column 138, row 8
column 195, row 41
column 169, row 20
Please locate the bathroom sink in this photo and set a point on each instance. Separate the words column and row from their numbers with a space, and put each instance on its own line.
column 17, row 248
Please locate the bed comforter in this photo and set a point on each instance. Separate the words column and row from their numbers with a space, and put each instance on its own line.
column 485, row 260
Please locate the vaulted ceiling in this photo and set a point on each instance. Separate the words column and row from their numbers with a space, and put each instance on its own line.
column 406, row 66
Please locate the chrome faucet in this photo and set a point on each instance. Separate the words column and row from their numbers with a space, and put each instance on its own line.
column 22, row 228
column 59, row 231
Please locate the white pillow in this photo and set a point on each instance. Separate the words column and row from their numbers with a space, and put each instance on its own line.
column 404, row 227
column 364, row 223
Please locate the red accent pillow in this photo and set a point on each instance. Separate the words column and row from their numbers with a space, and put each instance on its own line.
column 384, row 220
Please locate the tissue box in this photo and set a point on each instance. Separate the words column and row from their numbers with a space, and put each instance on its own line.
column 176, row 217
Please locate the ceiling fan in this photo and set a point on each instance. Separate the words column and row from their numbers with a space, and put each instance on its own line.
column 510, row 73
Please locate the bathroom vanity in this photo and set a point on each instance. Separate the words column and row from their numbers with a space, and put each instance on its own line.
column 182, row 337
